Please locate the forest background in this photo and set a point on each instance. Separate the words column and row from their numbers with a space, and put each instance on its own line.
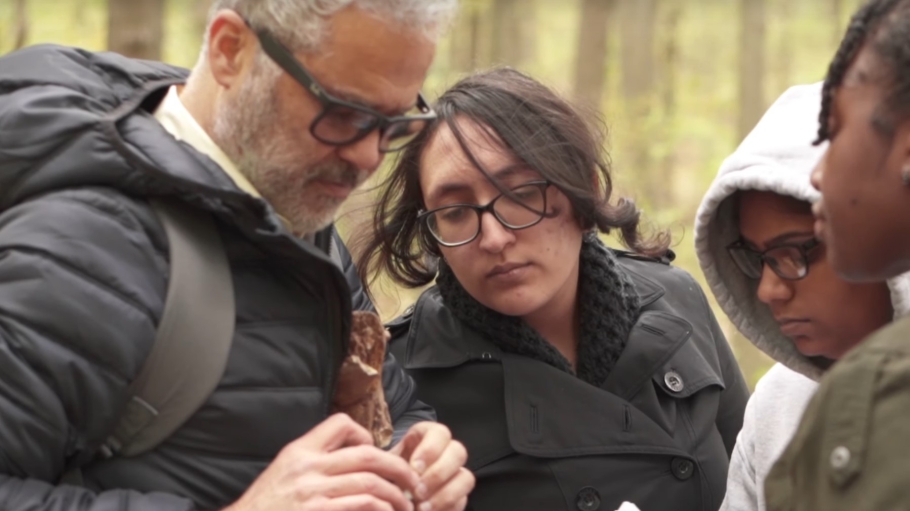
column 679, row 82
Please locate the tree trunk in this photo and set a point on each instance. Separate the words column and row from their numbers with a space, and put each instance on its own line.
column 670, row 55
column 513, row 32
column 78, row 9
column 751, row 64
column 638, row 19
column 467, row 38
column 591, row 59
column 781, row 70
column 661, row 184
column 20, row 33
column 136, row 28
column 837, row 13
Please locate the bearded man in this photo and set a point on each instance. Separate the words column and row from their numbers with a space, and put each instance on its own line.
column 291, row 106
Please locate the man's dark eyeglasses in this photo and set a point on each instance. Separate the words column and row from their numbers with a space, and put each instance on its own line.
column 789, row 262
column 342, row 122
column 459, row 224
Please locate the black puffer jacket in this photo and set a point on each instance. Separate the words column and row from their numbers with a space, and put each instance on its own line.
column 658, row 432
column 83, row 276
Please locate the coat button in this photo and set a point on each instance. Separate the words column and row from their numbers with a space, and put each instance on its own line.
column 840, row 457
column 674, row 381
column 409, row 310
column 682, row 468
column 588, row 499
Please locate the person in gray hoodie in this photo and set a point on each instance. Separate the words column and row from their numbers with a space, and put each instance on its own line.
column 755, row 244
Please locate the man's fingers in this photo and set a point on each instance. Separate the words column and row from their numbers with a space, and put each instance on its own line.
column 453, row 496
column 366, row 458
column 336, row 432
column 446, row 467
column 427, row 442
column 406, row 446
column 364, row 483
column 355, row 503
column 459, row 506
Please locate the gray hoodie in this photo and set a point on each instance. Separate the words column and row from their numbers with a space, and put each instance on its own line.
column 777, row 156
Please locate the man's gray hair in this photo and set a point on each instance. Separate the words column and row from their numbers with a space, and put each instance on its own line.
column 301, row 24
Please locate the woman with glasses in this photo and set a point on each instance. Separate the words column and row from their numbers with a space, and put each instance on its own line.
column 577, row 376
column 756, row 245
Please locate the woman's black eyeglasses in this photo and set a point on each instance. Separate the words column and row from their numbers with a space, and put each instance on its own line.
column 789, row 262
column 342, row 122
column 459, row 224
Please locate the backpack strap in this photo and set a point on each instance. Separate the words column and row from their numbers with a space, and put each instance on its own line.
column 335, row 253
column 194, row 335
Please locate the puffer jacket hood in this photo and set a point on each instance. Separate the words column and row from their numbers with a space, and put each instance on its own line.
column 777, row 156
column 100, row 103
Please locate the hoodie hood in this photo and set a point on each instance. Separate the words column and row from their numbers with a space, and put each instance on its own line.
column 777, row 156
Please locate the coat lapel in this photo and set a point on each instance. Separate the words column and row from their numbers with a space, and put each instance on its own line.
column 653, row 340
column 554, row 414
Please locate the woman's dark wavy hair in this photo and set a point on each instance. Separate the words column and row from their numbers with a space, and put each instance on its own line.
column 885, row 26
column 541, row 130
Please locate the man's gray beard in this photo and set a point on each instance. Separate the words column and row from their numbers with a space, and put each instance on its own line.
column 256, row 136
column 294, row 197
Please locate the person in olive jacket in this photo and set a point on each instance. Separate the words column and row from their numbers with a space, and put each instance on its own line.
column 577, row 376
column 850, row 452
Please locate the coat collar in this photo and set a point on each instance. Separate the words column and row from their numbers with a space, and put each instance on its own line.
column 437, row 339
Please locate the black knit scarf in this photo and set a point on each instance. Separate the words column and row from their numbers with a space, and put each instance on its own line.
column 609, row 307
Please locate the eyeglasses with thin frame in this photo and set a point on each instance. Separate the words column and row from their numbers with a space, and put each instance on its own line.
column 459, row 224
column 789, row 262
column 343, row 122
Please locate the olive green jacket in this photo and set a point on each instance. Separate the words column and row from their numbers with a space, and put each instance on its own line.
column 852, row 449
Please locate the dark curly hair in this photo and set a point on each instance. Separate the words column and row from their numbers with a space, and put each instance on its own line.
column 540, row 129
column 884, row 27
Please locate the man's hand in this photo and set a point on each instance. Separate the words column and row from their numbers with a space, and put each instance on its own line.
column 444, row 482
column 334, row 467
